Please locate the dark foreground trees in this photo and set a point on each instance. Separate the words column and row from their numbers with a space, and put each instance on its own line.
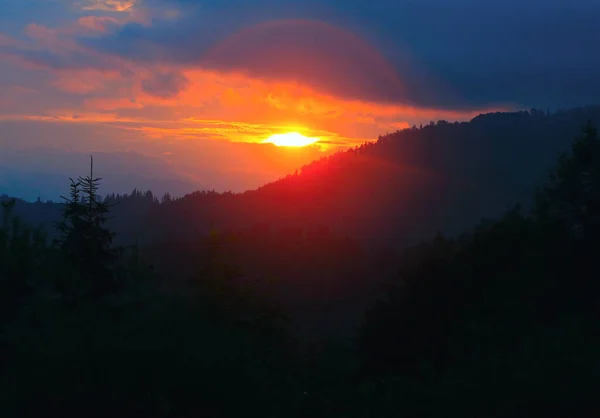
column 503, row 322
column 499, row 322
column 87, row 330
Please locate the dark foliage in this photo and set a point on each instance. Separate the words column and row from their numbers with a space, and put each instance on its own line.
column 85, row 241
column 395, row 192
column 262, row 318
column 149, row 347
column 503, row 323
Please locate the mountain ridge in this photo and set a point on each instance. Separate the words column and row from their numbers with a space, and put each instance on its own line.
column 396, row 191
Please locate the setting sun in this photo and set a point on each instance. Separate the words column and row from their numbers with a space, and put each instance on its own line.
column 290, row 139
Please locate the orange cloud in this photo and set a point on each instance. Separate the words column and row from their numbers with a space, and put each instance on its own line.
column 326, row 57
column 95, row 24
column 180, row 112
column 234, row 107
column 123, row 11
column 249, row 102
column 88, row 81
column 108, row 5
column 111, row 104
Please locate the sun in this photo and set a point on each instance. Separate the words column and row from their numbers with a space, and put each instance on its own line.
column 290, row 139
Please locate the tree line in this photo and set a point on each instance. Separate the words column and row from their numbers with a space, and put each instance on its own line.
column 500, row 320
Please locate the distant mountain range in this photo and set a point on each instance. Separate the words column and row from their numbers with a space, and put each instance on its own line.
column 45, row 173
column 401, row 189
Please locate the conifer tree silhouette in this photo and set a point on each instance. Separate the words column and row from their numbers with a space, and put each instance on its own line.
column 84, row 239
column 572, row 196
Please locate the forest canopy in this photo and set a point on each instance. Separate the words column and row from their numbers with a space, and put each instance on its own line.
column 279, row 319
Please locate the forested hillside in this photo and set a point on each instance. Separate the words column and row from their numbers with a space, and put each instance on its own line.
column 409, row 184
column 338, row 222
column 501, row 321
column 395, row 192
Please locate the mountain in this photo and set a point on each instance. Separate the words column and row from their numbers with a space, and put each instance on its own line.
column 406, row 186
column 45, row 173
column 327, row 236
column 396, row 191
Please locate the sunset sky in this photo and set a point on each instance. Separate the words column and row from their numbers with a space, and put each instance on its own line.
column 187, row 90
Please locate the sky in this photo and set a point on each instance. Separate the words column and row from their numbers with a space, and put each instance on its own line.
column 186, row 90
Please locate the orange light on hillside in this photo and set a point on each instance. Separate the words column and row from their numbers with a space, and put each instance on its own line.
column 290, row 139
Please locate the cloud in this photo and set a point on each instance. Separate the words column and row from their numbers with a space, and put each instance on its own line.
column 292, row 74
column 434, row 46
column 241, row 92
column 165, row 84
column 89, row 82
column 55, row 49
column 62, row 149
column 97, row 24
column 45, row 59
column 201, row 83
column 108, row 5
column 325, row 57
column 328, row 58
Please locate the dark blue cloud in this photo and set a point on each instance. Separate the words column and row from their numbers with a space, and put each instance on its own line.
column 460, row 53
column 15, row 14
column 70, row 60
column 165, row 84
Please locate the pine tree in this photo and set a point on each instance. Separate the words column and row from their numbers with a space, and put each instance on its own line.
column 84, row 240
column 572, row 197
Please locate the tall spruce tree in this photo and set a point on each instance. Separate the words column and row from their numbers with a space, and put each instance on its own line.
column 84, row 239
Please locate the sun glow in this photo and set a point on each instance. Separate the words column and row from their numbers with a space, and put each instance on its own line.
column 290, row 139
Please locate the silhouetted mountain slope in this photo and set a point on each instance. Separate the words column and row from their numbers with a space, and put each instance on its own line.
column 296, row 322
column 403, row 188
column 127, row 217
column 407, row 185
